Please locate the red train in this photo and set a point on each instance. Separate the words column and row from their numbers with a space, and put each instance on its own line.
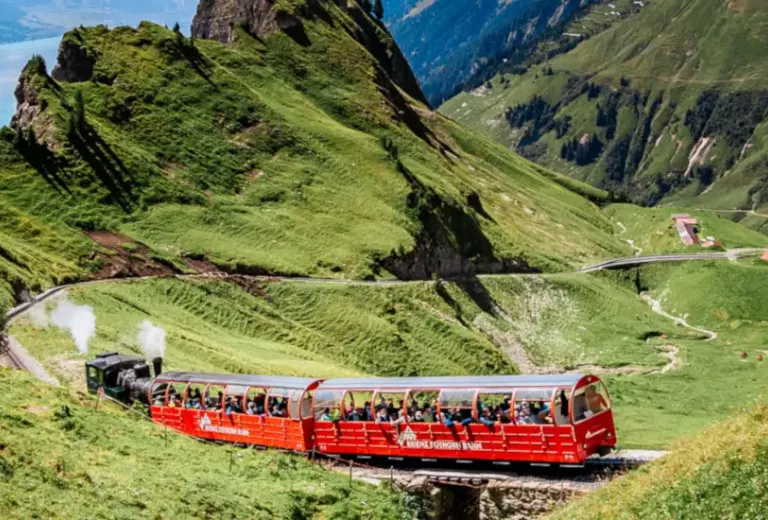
column 557, row 419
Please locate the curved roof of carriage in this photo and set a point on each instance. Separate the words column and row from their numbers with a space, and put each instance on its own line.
column 295, row 383
column 460, row 382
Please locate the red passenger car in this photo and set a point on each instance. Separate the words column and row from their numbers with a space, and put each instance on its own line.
column 261, row 410
column 543, row 419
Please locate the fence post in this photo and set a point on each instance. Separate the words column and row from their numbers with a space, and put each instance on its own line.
column 98, row 397
column 391, row 479
column 165, row 425
column 231, row 458
column 350, row 473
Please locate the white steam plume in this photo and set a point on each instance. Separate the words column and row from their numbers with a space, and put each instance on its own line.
column 151, row 339
column 38, row 315
column 78, row 320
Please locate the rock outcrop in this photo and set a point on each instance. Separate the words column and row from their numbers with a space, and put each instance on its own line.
column 30, row 104
column 218, row 19
column 27, row 101
column 75, row 64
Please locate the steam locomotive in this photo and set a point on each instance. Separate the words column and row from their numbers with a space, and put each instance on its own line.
column 121, row 377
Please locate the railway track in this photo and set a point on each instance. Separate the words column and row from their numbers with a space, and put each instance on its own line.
column 416, row 472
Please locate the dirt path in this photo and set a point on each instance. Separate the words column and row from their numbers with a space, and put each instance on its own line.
column 681, row 321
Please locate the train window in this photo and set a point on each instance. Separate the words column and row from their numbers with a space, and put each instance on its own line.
column 590, row 401
column 457, row 404
column 357, row 406
column 214, row 394
column 499, row 405
column 157, row 394
column 194, row 400
column 422, row 406
column 256, row 401
column 562, row 403
column 176, row 394
column 390, row 406
column 532, row 406
column 277, row 402
column 327, row 404
column 306, row 404
column 235, row 395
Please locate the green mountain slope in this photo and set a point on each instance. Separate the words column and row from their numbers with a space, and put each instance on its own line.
column 61, row 458
column 293, row 152
column 664, row 106
column 719, row 474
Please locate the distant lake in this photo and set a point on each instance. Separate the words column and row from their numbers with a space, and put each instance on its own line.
column 13, row 57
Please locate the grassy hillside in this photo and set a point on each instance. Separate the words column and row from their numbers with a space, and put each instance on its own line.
column 721, row 473
column 652, row 230
column 665, row 106
column 60, row 458
column 285, row 154
column 667, row 381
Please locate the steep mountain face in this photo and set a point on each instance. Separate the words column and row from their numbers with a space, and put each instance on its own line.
column 667, row 105
column 448, row 42
column 298, row 148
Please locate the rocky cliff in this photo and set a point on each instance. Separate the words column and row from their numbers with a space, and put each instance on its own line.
column 217, row 20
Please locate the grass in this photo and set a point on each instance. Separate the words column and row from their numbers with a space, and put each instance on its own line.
column 577, row 322
column 283, row 328
column 721, row 473
column 673, row 50
column 267, row 155
column 60, row 458
column 652, row 230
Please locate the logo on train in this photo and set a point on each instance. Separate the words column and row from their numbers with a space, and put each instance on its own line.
column 409, row 439
column 207, row 426
column 406, row 435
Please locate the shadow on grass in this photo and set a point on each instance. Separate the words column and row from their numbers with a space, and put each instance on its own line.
column 106, row 165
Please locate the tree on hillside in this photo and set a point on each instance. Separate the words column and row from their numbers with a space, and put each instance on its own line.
column 79, row 110
column 366, row 5
column 3, row 325
column 378, row 10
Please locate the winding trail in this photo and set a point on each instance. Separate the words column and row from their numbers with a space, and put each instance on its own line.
column 679, row 320
column 638, row 250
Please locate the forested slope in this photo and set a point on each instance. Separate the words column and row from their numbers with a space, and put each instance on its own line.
column 664, row 106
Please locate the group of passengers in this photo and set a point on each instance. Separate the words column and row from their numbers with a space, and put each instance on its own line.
column 232, row 404
column 523, row 412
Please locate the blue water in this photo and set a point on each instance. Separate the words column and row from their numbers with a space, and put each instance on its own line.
column 13, row 57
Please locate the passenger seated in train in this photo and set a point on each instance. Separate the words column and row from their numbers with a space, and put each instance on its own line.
column 382, row 416
column 488, row 417
column 418, row 416
column 326, row 415
column 539, row 413
column 194, row 400
column 277, row 411
column 214, row 402
column 353, row 414
column 250, row 408
column 463, row 417
column 400, row 419
column 365, row 414
column 233, row 406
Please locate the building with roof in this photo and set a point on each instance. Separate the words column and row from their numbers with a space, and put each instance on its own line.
column 687, row 228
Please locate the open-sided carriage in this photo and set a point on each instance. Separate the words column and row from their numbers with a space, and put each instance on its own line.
column 469, row 418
